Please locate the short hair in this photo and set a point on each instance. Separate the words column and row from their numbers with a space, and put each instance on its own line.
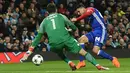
column 51, row 8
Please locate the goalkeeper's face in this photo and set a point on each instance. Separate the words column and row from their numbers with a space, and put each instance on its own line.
column 81, row 10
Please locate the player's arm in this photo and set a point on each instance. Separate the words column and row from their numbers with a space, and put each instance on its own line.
column 38, row 37
column 34, row 43
column 89, row 11
column 68, row 23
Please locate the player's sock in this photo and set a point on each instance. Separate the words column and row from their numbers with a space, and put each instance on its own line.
column 91, row 59
column 81, row 58
column 104, row 55
column 63, row 57
column 66, row 60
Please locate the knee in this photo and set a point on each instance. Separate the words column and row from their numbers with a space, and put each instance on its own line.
column 82, row 52
column 96, row 49
column 83, row 39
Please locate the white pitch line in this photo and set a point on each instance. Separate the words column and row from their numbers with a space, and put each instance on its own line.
column 88, row 71
column 70, row 71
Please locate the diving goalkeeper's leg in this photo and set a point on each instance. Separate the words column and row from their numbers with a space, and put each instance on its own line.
column 92, row 60
column 70, row 63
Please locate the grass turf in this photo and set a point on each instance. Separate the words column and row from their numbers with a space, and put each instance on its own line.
column 62, row 67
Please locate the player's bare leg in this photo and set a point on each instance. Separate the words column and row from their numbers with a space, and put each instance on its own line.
column 92, row 60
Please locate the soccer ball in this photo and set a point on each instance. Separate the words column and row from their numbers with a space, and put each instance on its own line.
column 37, row 59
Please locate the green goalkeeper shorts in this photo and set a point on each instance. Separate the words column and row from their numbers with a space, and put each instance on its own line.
column 70, row 45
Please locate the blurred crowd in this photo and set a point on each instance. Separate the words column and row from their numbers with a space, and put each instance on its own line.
column 20, row 20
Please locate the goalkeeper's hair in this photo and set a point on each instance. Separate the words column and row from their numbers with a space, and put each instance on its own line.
column 51, row 8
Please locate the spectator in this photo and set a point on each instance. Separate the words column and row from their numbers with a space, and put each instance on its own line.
column 83, row 27
column 13, row 35
column 2, row 25
column 42, row 46
column 9, row 13
column 128, row 33
column 26, row 43
column 32, row 24
column 108, row 12
column 34, row 11
column 85, row 2
column 25, row 3
column 71, row 8
column 8, row 29
column 91, row 4
column 32, row 36
column 110, row 29
column 122, row 44
column 2, row 47
column 36, row 4
column 14, row 19
column 119, row 11
column 128, row 13
column 43, row 12
column 106, row 19
column 21, row 47
column 46, row 42
column 9, row 47
column 112, row 4
column 115, row 41
column 16, row 11
column 12, row 4
column 24, row 35
column 2, row 11
column 115, row 22
column 22, row 8
column 7, row 40
column 23, row 20
column 128, row 46
column 62, row 9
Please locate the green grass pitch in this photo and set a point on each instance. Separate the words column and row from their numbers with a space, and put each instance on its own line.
column 62, row 67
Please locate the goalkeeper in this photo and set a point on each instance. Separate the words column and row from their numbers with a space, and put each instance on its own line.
column 59, row 38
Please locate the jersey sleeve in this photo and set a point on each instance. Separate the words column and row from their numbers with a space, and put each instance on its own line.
column 41, row 28
column 39, row 35
column 37, row 39
column 68, row 23
column 89, row 11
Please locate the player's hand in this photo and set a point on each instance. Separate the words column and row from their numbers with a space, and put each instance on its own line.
column 73, row 19
column 27, row 54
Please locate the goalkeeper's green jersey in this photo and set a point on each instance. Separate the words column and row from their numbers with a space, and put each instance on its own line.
column 55, row 27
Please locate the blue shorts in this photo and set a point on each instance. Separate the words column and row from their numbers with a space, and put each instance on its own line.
column 97, row 37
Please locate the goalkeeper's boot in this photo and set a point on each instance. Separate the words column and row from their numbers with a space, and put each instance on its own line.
column 99, row 67
column 81, row 64
column 26, row 55
column 116, row 62
column 72, row 66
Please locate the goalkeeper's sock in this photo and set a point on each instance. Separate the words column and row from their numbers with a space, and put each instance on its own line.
column 81, row 58
column 104, row 55
column 66, row 60
column 91, row 59
column 63, row 57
